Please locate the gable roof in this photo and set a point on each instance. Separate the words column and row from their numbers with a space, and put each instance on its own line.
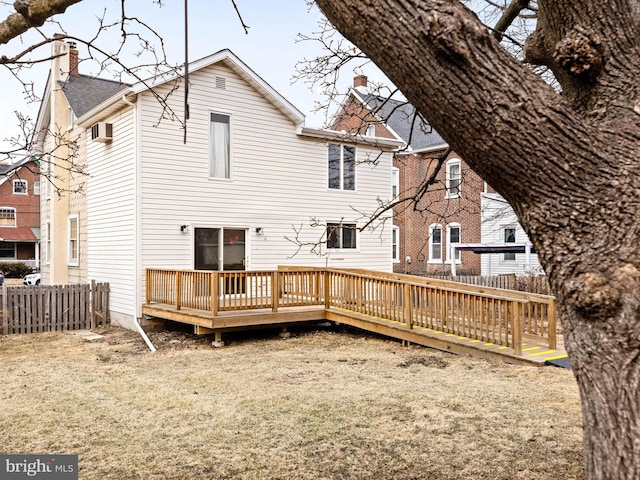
column 84, row 93
column 404, row 120
column 226, row 56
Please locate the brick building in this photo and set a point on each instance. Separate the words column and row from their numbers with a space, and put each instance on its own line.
column 448, row 210
column 20, row 212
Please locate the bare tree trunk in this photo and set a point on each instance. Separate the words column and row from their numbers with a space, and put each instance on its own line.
column 567, row 163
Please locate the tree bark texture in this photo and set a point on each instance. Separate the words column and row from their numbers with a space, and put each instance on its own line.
column 29, row 14
column 569, row 164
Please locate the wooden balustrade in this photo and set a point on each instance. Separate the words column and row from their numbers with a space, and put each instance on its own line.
column 491, row 315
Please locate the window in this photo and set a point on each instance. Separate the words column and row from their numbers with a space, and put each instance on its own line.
column 341, row 235
column 219, row 146
column 509, row 237
column 74, row 240
column 454, row 178
column 20, row 187
column 453, row 237
column 7, row 217
column 46, row 176
column 342, row 167
column 395, row 244
column 36, row 188
column 371, row 130
column 395, row 183
column 435, row 243
column 47, row 246
column 7, row 249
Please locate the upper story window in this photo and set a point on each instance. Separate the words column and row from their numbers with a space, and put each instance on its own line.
column 7, row 217
column 395, row 183
column 371, row 130
column 435, row 243
column 453, row 237
column 220, row 146
column 509, row 237
column 20, row 187
column 454, row 178
column 341, row 235
column 342, row 167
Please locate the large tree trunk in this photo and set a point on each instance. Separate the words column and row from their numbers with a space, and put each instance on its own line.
column 568, row 163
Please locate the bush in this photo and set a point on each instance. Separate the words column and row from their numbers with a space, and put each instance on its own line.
column 15, row 270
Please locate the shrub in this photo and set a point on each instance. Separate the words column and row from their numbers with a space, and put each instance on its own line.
column 15, row 270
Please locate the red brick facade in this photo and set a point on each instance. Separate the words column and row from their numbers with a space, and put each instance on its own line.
column 434, row 208
column 18, row 233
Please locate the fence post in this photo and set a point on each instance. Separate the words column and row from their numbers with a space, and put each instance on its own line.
column 327, row 290
column 147, row 292
column 178, row 289
column 407, row 306
column 517, row 308
column 92, row 295
column 275, row 290
column 215, row 293
column 551, row 324
column 5, row 310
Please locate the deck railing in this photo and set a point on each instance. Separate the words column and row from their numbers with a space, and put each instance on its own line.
column 492, row 315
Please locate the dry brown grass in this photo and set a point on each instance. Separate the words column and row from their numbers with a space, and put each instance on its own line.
column 319, row 405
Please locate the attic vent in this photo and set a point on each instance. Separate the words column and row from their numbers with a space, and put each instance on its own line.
column 102, row 132
column 221, row 82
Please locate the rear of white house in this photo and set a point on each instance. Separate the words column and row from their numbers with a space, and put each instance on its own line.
column 251, row 188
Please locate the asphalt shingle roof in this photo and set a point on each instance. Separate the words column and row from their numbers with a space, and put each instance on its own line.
column 404, row 120
column 84, row 93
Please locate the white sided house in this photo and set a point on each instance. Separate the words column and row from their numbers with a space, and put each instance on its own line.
column 499, row 227
column 251, row 188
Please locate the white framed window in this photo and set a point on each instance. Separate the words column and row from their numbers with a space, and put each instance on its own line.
column 36, row 188
column 7, row 217
column 453, row 237
column 435, row 243
column 509, row 235
column 47, row 245
column 371, row 130
column 342, row 235
column 342, row 166
column 220, row 146
column 395, row 244
column 395, row 183
column 46, row 176
column 453, row 178
column 70, row 118
column 20, row 187
column 74, row 240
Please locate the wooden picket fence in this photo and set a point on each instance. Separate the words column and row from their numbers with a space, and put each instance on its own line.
column 524, row 283
column 46, row 308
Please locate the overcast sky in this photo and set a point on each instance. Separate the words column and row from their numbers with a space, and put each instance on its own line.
column 270, row 48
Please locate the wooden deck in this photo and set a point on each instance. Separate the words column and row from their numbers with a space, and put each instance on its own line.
column 491, row 323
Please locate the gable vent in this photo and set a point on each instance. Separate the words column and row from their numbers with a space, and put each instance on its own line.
column 221, row 82
column 102, row 132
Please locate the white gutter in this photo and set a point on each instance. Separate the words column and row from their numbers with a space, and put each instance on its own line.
column 343, row 136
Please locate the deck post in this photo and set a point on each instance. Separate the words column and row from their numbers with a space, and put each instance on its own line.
column 275, row 290
column 407, row 306
column 551, row 327
column 215, row 290
column 516, row 308
column 327, row 289
column 147, row 290
column 178, row 289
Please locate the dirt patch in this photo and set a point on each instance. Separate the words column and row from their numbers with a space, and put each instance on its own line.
column 322, row 404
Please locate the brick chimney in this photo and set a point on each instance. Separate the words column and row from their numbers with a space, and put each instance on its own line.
column 360, row 83
column 73, row 59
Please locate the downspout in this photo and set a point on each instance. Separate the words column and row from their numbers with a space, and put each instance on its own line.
column 135, row 306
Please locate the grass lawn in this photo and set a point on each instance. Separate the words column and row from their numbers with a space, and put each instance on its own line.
column 324, row 404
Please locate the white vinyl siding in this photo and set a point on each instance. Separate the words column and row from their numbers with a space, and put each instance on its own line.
column 496, row 214
column 111, row 207
column 278, row 183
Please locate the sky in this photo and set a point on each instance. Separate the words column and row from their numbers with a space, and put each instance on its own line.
column 270, row 48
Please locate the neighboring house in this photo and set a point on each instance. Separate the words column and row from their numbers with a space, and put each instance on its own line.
column 252, row 187
column 500, row 226
column 20, row 212
column 449, row 211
